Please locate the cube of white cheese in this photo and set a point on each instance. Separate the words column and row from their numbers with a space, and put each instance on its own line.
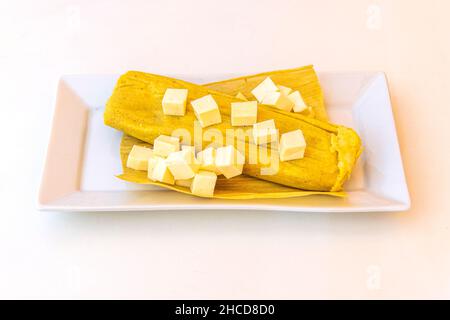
column 161, row 172
column 206, row 110
column 244, row 113
column 284, row 103
column 204, row 183
column 207, row 159
column 264, row 132
column 193, row 161
column 184, row 183
column 292, row 145
column 179, row 165
column 261, row 90
column 164, row 145
column 284, row 90
column 241, row 96
column 174, row 102
column 188, row 148
column 279, row 101
column 151, row 165
column 138, row 158
column 299, row 103
column 271, row 98
column 229, row 161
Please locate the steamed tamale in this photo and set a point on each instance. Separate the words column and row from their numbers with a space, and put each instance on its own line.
column 135, row 109
column 302, row 79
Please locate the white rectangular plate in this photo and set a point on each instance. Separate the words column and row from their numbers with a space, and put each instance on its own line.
column 83, row 154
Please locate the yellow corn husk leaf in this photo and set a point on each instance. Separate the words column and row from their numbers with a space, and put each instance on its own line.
column 225, row 188
column 303, row 79
column 135, row 109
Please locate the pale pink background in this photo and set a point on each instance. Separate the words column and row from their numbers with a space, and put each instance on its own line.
column 225, row 254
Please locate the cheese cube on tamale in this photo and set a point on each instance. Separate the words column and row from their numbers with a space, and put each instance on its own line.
column 204, row 183
column 138, row 158
column 151, row 165
column 279, row 101
column 265, row 87
column 241, row 96
column 284, row 103
column 184, row 182
column 191, row 151
column 193, row 161
column 174, row 102
column 292, row 145
column 207, row 159
column 206, row 110
column 229, row 161
column 264, row 132
column 284, row 90
column 188, row 148
column 299, row 103
column 179, row 164
column 161, row 172
column 164, row 145
column 244, row 113
column 271, row 98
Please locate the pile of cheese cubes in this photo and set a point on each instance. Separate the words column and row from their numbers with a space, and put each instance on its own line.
column 280, row 97
column 171, row 163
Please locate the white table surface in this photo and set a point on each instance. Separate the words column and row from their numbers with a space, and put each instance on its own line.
column 225, row 254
